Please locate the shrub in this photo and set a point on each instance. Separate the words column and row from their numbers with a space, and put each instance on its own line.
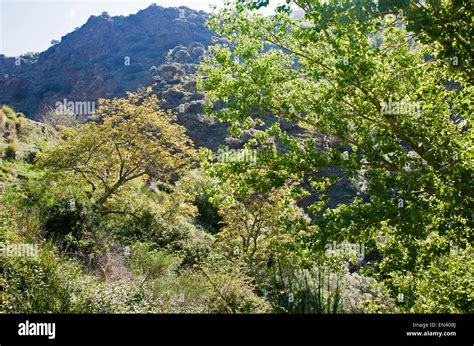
column 51, row 284
column 231, row 290
column 169, row 72
column 199, row 51
column 55, row 118
column 174, row 236
column 20, row 124
column 9, row 124
column 294, row 289
column 186, row 293
column 173, row 96
column 197, row 96
column 190, row 86
column 31, row 156
column 11, row 151
column 95, row 296
column 11, row 138
column 434, row 289
column 196, row 107
column 34, row 285
column 62, row 217
column 200, row 187
column 152, row 263
column 362, row 294
column 9, row 112
column 182, row 55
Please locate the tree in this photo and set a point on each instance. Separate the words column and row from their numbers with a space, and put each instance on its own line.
column 391, row 98
column 253, row 225
column 55, row 117
column 131, row 138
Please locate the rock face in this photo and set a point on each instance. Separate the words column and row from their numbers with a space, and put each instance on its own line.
column 105, row 57
column 174, row 82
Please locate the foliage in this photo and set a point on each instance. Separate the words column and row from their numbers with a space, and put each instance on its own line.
column 32, row 285
column 200, row 189
column 372, row 95
column 57, row 118
column 11, row 150
column 232, row 290
column 131, row 138
column 352, row 71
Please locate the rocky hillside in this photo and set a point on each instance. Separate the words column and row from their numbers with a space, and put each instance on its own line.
column 105, row 57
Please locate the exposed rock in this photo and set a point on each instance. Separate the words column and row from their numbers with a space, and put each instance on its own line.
column 104, row 58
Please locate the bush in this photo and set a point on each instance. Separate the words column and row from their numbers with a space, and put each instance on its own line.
column 293, row 289
column 199, row 51
column 190, row 86
column 20, row 124
column 113, row 297
column 11, row 138
column 9, row 112
column 178, row 236
column 197, row 96
column 182, row 55
column 9, row 124
column 31, row 156
column 51, row 284
column 362, row 294
column 34, row 285
column 173, row 96
column 200, row 187
column 231, row 290
column 152, row 263
column 62, row 217
column 11, row 151
column 435, row 291
column 196, row 107
column 169, row 72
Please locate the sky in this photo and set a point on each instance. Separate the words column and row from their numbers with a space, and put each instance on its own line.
column 31, row 25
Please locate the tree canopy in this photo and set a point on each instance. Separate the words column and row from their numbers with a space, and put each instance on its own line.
column 392, row 87
column 129, row 138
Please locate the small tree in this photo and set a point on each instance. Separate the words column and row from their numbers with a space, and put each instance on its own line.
column 56, row 118
column 131, row 138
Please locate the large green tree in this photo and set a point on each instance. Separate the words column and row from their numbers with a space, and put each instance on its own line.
column 391, row 86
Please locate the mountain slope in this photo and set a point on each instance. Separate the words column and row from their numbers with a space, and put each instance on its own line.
column 105, row 57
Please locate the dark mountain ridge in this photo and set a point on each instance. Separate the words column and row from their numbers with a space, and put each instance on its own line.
column 105, row 57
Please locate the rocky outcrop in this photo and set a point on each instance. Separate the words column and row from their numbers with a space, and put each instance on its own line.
column 105, row 57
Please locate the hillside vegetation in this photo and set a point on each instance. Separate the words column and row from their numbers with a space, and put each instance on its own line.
column 343, row 183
